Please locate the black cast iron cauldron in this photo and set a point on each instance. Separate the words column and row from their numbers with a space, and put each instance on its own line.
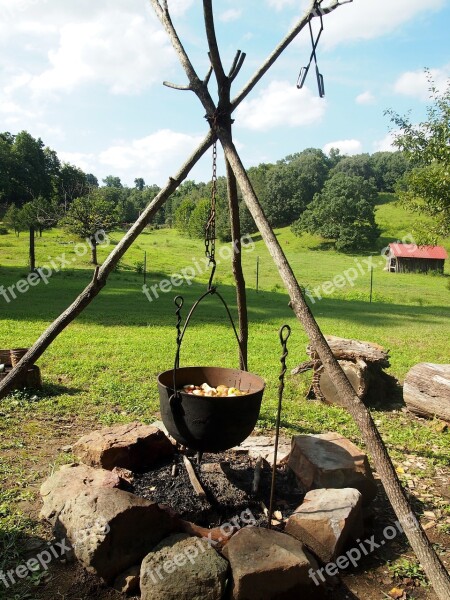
column 210, row 424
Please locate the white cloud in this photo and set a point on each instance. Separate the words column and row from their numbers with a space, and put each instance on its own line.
column 233, row 14
column 365, row 98
column 152, row 157
column 368, row 19
column 281, row 104
column 415, row 83
column 346, row 147
column 120, row 50
column 386, row 144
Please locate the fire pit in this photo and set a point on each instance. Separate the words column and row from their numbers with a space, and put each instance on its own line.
column 209, row 424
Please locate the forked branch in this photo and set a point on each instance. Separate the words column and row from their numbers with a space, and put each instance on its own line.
column 237, row 65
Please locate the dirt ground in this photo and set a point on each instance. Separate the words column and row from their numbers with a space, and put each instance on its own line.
column 371, row 580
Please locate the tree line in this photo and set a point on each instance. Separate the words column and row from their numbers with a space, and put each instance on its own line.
column 331, row 195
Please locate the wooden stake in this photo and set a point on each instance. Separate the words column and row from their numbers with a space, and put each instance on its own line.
column 194, row 479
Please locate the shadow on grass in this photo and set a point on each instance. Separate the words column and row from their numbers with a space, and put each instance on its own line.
column 123, row 303
column 50, row 390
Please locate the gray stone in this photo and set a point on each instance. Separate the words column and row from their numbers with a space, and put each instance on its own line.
column 329, row 460
column 262, row 445
column 326, row 520
column 111, row 530
column 183, row 568
column 269, row 565
column 68, row 482
column 133, row 446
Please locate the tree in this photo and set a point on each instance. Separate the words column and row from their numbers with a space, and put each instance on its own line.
column 198, row 218
column 359, row 164
column 12, row 219
column 70, row 184
column 37, row 215
column 291, row 185
column 89, row 215
column 28, row 220
column 248, row 225
column 334, row 156
column 7, row 165
column 183, row 215
column 388, row 169
column 112, row 182
column 34, row 167
column 92, row 181
column 139, row 184
column 425, row 189
column 344, row 211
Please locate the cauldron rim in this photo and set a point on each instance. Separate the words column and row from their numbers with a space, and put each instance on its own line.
column 169, row 373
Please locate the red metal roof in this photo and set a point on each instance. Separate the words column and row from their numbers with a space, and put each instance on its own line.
column 413, row 251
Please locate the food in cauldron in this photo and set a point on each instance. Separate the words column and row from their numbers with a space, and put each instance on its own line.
column 221, row 391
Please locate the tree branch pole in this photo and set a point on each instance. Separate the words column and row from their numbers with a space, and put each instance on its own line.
column 101, row 274
column 91, row 291
column 433, row 567
column 224, row 107
column 241, row 294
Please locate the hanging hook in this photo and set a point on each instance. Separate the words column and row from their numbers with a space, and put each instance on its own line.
column 304, row 70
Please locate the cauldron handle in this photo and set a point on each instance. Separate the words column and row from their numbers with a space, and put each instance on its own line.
column 179, row 301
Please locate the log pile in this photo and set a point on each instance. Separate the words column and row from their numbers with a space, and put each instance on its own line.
column 362, row 362
column 426, row 390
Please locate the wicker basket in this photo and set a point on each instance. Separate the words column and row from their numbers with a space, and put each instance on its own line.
column 5, row 357
column 17, row 354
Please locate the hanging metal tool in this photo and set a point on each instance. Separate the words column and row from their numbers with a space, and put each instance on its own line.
column 284, row 334
column 304, row 70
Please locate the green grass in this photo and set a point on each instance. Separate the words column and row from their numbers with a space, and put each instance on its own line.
column 102, row 368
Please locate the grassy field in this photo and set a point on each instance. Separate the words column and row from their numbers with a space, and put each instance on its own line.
column 102, row 369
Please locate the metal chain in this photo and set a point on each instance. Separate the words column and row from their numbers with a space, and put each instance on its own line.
column 210, row 230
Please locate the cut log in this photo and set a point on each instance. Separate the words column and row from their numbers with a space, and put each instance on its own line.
column 426, row 390
column 325, row 390
column 344, row 349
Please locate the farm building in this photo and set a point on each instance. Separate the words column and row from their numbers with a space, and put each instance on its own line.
column 409, row 258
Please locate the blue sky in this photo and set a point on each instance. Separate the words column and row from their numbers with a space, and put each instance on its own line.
column 86, row 76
